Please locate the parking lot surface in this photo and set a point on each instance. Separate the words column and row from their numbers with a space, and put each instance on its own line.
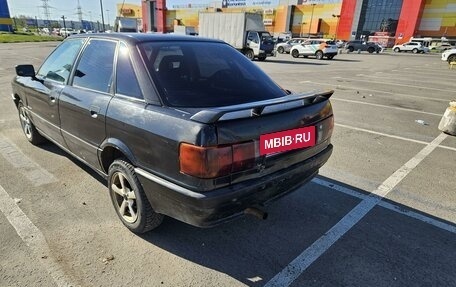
column 382, row 212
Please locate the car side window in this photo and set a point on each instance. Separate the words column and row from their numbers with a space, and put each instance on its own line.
column 95, row 68
column 126, row 80
column 57, row 66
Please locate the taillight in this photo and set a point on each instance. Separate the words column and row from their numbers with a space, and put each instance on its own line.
column 212, row 162
column 243, row 156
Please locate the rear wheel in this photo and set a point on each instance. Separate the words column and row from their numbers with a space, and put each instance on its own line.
column 280, row 50
column 261, row 58
column 371, row 50
column 295, row 53
column 415, row 51
column 319, row 55
column 31, row 133
column 351, row 49
column 250, row 55
column 129, row 199
column 397, row 50
column 330, row 57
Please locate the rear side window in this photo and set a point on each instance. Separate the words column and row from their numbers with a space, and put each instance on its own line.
column 57, row 66
column 205, row 74
column 95, row 68
column 126, row 82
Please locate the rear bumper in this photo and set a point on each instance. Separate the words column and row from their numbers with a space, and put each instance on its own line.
column 220, row 205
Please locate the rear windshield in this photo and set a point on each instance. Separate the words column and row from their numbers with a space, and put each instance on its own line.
column 204, row 74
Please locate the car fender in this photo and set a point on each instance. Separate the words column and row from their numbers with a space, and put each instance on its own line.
column 120, row 146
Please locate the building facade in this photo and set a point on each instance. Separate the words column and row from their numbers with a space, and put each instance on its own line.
column 341, row 19
column 5, row 19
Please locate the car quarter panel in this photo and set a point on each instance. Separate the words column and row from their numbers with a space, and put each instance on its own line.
column 153, row 134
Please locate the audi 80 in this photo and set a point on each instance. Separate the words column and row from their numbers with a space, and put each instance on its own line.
column 179, row 126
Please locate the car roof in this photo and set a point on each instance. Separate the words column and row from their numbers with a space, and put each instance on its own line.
column 137, row 38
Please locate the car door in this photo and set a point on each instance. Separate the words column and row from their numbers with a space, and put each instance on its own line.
column 52, row 76
column 253, row 42
column 83, row 104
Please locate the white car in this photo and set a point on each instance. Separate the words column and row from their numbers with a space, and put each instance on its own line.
column 315, row 47
column 449, row 55
column 285, row 47
column 65, row 32
column 414, row 47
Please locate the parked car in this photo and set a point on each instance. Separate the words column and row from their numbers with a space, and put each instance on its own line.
column 179, row 126
column 356, row 45
column 414, row 47
column 449, row 55
column 65, row 32
column 285, row 47
column 442, row 47
column 315, row 47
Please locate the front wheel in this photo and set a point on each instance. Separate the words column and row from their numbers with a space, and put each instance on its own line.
column 397, row 50
column 414, row 51
column 295, row 53
column 261, row 58
column 280, row 50
column 31, row 133
column 330, row 57
column 129, row 199
column 250, row 55
column 451, row 59
column 370, row 50
column 319, row 55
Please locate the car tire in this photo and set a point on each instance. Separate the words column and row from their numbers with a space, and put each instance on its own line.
column 451, row 58
column 280, row 50
column 330, row 57
column 351, row 49
column 415, row 51
column 295, row 54
column 397, row 50
column 129, row 199
column 319, row 55
column 370, row 50
column 29, row 129
column 249, row 54
column 261, row 58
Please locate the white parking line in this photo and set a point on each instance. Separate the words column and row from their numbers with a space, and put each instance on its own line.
column 387, row 205
column 385, row 106
column 312, row 253
column 395, row 84
column 391, row 136
column 413, row 78
column 32, row 237
column 32, row 171
column 375, row 91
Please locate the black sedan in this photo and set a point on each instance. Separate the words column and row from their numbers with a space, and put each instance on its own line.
column 179, row 126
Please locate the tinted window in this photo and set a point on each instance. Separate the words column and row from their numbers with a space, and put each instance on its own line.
column 95, row 69
column 58, row 65
column 203, row 74
column 127, row 83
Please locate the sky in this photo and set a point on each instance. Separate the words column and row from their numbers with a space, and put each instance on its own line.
column 90, row 9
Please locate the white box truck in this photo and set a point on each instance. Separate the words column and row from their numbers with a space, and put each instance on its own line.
column 242, row 30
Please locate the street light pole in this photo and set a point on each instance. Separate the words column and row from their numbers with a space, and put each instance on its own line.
column 311, row 18
column 337, row 25
column 102, row 15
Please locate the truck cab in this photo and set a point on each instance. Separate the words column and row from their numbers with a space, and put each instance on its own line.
column 259, row 44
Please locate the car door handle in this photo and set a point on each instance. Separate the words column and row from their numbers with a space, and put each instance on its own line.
column 94, row 110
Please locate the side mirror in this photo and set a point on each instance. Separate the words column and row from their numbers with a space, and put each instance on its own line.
column 25, row 71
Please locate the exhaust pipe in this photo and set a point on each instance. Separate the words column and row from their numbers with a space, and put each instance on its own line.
column 258, row 213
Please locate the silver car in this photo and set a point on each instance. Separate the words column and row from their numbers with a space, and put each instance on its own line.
column 285, row 47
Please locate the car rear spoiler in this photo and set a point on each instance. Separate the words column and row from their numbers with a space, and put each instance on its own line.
column 210, row 116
